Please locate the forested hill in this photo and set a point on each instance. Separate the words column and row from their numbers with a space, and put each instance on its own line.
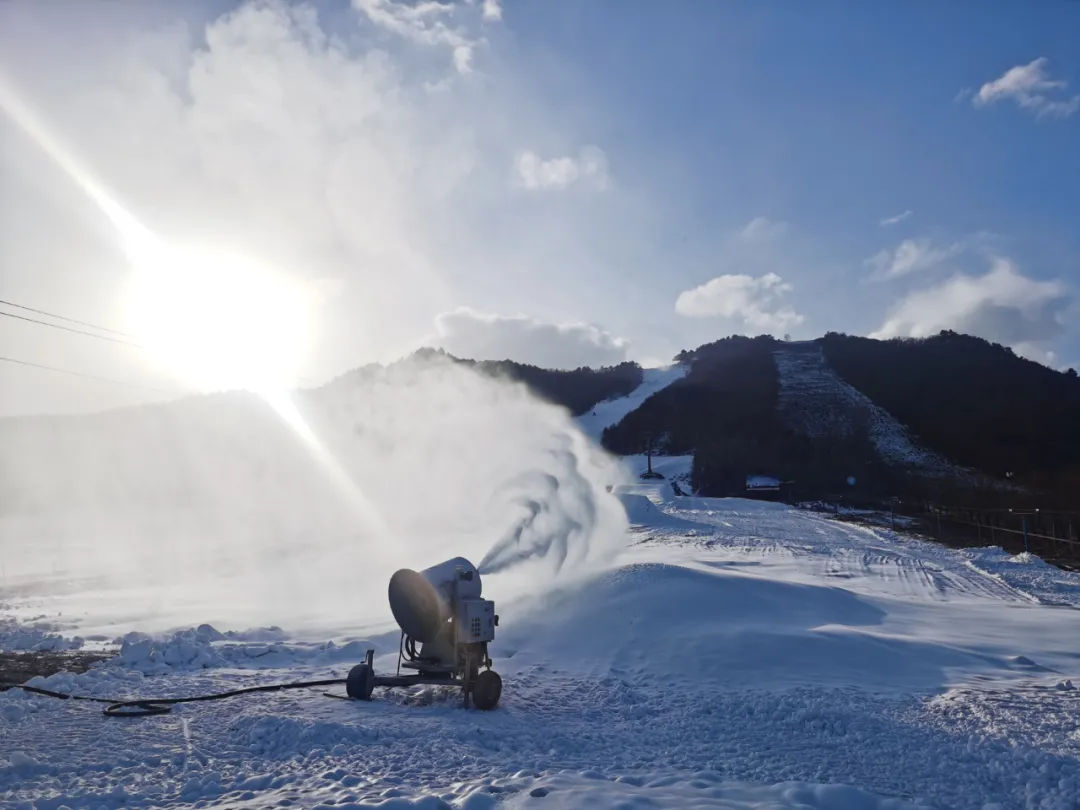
column 929, row 415
column 950, row 416
column 975, row 402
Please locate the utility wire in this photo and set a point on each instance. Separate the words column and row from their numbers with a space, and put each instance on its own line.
column 76, row 331
column 85, row 376
column 62, row 318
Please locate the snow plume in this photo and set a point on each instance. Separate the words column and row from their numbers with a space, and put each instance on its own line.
column 559, row 515
column 215, row 510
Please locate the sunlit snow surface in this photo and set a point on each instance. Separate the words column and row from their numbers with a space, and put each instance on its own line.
column 738, row 655
column 610, row 412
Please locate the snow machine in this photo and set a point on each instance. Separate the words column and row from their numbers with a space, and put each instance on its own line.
column 441, row 610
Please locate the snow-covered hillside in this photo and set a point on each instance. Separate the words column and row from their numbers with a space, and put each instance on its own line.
column 816, row 402
column 737, row 655
column 606, row 414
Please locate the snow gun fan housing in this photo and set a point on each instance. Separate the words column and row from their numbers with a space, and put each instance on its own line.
column 441, row 609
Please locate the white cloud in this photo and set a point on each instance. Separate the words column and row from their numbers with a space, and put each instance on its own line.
column 1003, row 305
column 1040, row 354
column 761, row 229
column 742, row 297
column 589, row 167
column 467, row 333
column 425, row 23
column 896, row 220
column 492, row 10
column 1030, row 87
column 911, row 256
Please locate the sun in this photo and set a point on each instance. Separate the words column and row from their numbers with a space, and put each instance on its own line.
column 218, row 320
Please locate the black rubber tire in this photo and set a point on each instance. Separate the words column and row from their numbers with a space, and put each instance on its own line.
column 486, row 690
column 360, row 682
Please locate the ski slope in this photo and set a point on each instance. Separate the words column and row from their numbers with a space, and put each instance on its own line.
column 816, row 402
column 737, row 655
column 608, row 413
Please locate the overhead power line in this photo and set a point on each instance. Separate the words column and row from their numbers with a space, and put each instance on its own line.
column 63, row 318
column 121, row 338
column 74, row 331
column 85, row 376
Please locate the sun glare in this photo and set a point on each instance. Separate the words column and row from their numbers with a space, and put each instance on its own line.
column 219, row 321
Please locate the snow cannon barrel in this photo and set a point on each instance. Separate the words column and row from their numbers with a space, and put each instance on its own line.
column 420, row 601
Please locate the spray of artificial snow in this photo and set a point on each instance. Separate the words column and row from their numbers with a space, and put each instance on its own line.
column 217, row 509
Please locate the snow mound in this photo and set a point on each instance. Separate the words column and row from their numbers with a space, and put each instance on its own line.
column 189, row 649
column 815, row 401
column 206, row 648
column 1027, row 573
column 719, row 626
column 643, row 513
column 16, row 637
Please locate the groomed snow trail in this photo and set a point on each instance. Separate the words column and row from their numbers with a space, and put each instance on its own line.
column 740, row 655
column 608, row 413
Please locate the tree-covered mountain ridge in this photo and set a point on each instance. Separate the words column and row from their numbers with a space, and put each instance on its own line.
column 949, row 415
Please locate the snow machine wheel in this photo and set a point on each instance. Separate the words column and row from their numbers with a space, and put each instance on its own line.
column 486, row 690
column 361, row 682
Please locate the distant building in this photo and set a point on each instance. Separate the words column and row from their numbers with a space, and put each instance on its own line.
column 762, row 483
column 767, row 488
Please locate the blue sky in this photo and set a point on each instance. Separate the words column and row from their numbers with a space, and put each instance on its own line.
column 831, row 117
column 564, row 182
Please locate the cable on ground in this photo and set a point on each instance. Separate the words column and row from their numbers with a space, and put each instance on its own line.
column 146, row 707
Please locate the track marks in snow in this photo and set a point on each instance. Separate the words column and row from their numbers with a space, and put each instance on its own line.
column 758, row 651
column 310, row 750
column 866, row 558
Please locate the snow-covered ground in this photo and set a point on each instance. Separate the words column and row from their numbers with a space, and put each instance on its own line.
column 816, row 402
column 737, row 655
column 606, row 414
column 673, row 468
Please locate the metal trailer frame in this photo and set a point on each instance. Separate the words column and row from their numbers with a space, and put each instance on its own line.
column 480, row 688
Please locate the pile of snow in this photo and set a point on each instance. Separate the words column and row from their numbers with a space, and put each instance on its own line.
column 37, row 637
column 206, row 648
column 722, row 628
column 19, row 759
column 642, row 513
column 1028, row 573
column 816, row 402
column 185, row 650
